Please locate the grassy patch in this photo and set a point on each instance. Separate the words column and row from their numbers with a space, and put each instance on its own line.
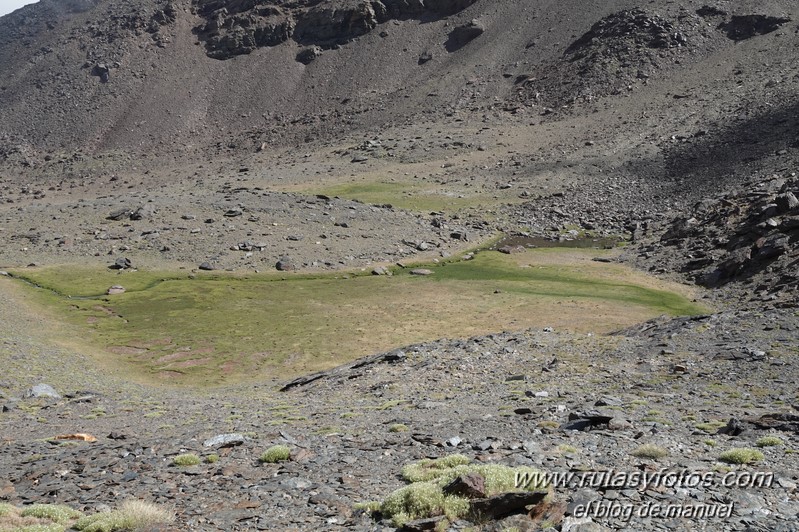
column 37, row 517
column 53, row 512
column 564, row 448
column 649, row 450
column 769, row 441
column 185, row 460
column 275, row 454
column 741, row 456
column 222, row 327
column 131, row 515
column 428, row 469
column 424, row 496
column 711, row 427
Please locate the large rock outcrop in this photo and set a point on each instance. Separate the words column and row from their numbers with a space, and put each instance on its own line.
column 239, row 27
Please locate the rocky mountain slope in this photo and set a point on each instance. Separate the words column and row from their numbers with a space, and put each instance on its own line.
column 141, row 76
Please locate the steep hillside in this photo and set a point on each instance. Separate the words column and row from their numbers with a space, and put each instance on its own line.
column 157, row 76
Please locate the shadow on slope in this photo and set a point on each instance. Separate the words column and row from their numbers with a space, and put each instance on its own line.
column 712, row 160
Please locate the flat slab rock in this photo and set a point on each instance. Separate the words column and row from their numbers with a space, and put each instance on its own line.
column 225, row 440
column 42, row 390
column 506, row 503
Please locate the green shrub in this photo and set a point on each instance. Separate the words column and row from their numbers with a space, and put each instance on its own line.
column 651, row 451
column 425, row 497
column 422, row 499
column 8, row 509
column 769, row 441
column 369, row 506
column 131, row 515
column 212, row 458
column 741, row 456
column 184, row 460
column 276, row 453
column 398, row 427
column 711, row 426
column 52, row 527
column 54, row 512
column 429, row 469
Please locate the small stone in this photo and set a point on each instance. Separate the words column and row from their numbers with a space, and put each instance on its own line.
column 510, row 250
column 296, row 483
column 116, row 289
column 225, row 440
column 506, row 503
column 119, row 214
column 608, row 400
column 454, row 441
column 422, row 525
column 41, row 390
column 307, row 55
column 471, row 486
column 142, row 213
column 583, row 524
column 733, row 428
column 618, row 423
column 421, row 271
column 121, row 264
column 285, row 264
column 787, row 202
column 206, row 266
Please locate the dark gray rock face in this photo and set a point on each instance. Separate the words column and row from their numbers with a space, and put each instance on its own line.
column 463, row 35
column 307, row 55
column 233, row 28
column 742, row 27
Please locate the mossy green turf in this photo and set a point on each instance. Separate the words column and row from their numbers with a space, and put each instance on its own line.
column 561, row 282
column 221, row 327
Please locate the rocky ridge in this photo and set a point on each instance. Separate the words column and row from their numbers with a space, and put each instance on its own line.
column 239, row 28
